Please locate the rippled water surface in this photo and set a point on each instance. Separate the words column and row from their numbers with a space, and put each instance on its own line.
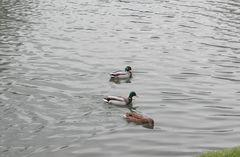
column 55, row 57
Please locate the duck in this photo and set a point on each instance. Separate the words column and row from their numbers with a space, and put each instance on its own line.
column 120, row 100
column 122, row 74
column 139, row 119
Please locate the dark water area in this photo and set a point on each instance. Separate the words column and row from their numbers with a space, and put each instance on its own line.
column 55, row 60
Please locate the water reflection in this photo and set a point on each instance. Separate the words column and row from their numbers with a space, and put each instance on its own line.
column 119, row 81
column 10, row 27
column 54, row 55
column 14, row 30
column 14, row 27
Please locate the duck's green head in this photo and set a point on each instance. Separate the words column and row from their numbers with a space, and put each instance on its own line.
column 132, row 94
column 128, row 68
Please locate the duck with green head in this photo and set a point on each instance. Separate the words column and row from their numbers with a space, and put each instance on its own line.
column 122, row 74
column 119, row 100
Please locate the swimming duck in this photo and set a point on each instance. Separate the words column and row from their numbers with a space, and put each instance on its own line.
column 138, row 118
column 122, row 74
column 119, row 100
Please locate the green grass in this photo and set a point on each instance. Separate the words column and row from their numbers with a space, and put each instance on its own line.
column 229, row 152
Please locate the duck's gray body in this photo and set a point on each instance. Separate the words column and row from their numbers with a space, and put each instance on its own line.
column 119, row 100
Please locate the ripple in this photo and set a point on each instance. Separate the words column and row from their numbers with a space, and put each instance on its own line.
column 55, row 60
column 229, row 79
column 220, row 46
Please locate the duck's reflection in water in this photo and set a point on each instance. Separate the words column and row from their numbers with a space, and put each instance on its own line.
column 119, row 81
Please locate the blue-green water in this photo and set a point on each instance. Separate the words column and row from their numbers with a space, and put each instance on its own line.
column 55, row 56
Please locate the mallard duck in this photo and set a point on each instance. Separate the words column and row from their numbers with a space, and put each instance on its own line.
column 138, row 118
column 122, row 74
column 119, row 100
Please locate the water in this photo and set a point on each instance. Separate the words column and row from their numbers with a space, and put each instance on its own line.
column 55, row 56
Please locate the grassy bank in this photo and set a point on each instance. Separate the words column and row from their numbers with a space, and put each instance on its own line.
column 230, row 152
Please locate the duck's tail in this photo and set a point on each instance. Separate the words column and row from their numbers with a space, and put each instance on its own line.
column 112, row 75
column 106, row 100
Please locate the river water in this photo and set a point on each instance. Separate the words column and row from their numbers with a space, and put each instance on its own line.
column 55, row 57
